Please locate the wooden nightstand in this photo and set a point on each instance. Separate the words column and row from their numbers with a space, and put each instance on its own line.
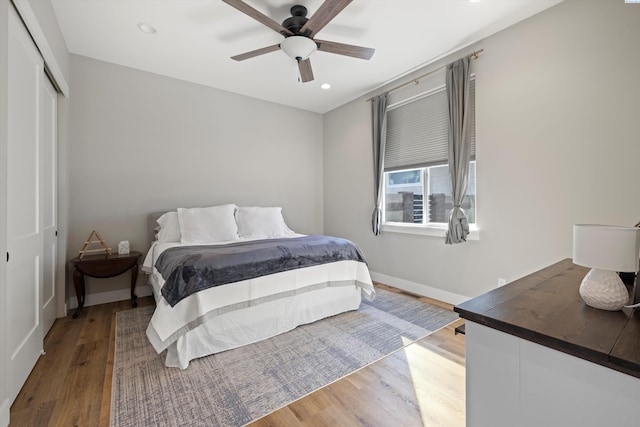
column 103, row 266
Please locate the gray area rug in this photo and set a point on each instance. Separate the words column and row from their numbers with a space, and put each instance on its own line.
column 238, row 386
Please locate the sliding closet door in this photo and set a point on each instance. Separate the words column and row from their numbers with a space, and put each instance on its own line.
column 24, row 236
column 48, row 202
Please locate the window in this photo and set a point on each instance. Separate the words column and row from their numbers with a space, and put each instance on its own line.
column 416, row 178
column 405, row 200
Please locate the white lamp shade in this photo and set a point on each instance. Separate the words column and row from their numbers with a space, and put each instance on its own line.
column 606, row 247
column 298, row 47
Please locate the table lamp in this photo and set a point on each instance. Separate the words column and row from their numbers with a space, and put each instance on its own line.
column 607, row 249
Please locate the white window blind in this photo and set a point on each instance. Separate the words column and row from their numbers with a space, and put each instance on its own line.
column 417, row 131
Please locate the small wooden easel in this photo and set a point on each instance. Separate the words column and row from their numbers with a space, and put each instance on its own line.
column 85, row 249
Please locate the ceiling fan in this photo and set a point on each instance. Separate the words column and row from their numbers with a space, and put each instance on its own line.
column 299, row 32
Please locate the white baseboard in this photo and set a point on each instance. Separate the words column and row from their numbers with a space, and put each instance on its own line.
column 419, row 289
column 111, row 296
column 4, row 413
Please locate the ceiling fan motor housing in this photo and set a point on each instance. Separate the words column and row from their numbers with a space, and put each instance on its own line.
column 297, row 19
column 297, row 46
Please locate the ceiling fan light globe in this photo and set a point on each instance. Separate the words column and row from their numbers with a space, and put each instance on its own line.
column 298, row 47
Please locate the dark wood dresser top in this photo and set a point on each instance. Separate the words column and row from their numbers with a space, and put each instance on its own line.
column 546, row 308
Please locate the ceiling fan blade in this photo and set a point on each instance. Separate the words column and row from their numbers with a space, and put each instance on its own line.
column 258, row 16
column 325, row 13
column 306, row 73
column 256, row 52
column 345, row 49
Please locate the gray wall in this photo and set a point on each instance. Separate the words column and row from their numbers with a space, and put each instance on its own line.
column 557, row 144
column 141, row 143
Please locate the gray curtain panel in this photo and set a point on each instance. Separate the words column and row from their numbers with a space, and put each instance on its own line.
column 459, row 146
column 379, row 128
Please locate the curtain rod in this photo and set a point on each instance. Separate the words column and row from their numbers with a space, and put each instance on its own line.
column 415, row 80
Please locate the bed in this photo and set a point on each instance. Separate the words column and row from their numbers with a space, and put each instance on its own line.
column 219, row 285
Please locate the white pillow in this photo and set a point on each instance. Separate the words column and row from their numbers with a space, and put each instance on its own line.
column 261, row 222
column 169, row 227
column 208, row 225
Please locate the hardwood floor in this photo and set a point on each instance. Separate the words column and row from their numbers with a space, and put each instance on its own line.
column 66, row 386
column 422, row 384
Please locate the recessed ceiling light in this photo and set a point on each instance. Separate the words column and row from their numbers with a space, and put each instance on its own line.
column 146, row 28
column 325, row 86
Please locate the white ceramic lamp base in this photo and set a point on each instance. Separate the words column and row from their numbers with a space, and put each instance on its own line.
column 604, row 289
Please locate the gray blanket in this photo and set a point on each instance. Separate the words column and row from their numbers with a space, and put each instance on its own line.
column 189, row 269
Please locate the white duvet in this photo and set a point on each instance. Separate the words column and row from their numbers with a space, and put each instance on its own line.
column 228, row 316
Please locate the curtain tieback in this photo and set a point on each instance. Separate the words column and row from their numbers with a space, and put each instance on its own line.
column 458, row 209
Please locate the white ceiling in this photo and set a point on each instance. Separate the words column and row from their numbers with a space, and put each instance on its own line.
column 196, row 38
